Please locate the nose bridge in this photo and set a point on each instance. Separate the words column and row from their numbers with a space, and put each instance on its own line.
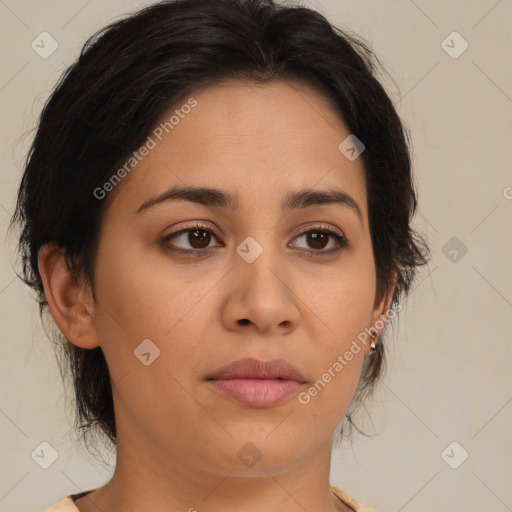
column 261, row 284
column 259, row 263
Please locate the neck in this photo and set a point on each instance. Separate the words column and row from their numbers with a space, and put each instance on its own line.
column 149, row 477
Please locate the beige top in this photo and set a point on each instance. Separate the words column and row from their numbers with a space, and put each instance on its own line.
column 68, row 505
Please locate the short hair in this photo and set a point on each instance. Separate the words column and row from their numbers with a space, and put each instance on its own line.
column 131, row 72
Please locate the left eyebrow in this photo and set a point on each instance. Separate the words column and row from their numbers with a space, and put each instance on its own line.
column 212, row 197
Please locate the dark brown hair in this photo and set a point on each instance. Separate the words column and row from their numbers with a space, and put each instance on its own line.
column 132, row 71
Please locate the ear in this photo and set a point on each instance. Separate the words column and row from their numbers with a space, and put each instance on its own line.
column 381, row 310
column 71, row 303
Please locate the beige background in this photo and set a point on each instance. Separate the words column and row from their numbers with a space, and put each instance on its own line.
column 449, row 377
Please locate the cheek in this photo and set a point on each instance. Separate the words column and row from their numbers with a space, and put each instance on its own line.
column 138, row 290
column 141, row 295
column 344, row 305
column 343, row 299
column 137, row 301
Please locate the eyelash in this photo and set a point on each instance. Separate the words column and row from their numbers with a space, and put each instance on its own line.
column 340, row 240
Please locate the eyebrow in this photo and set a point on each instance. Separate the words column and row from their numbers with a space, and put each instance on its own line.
column 212, row 197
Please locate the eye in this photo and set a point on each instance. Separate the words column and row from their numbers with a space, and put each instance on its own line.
column 198, row 237
column 318, row 237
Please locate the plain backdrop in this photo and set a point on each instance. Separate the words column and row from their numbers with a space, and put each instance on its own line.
column 442, row 417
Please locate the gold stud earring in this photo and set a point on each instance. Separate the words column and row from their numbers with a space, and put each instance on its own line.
column 373, row 345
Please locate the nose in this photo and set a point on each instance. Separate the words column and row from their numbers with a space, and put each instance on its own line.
column 261, row 297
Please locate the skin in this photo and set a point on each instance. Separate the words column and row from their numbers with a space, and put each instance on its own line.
column 177, row 438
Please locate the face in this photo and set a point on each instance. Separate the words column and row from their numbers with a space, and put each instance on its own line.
column 208, row 283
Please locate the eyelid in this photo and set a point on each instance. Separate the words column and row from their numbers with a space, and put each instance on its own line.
column 195, row 225
column 320, row 227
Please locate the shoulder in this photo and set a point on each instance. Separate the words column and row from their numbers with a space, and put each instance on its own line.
column 357, row 506
column 66, row 505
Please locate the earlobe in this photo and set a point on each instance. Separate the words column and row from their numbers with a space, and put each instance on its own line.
column 381, row 310
column 69, row 300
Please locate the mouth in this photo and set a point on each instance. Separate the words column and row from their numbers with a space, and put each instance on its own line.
column 256, row 383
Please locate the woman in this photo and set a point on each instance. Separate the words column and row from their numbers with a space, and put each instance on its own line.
column 216, row 213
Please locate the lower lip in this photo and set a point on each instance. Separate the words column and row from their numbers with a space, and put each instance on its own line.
column 257, row 392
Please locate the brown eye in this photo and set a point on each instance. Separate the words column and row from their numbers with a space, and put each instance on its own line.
column 199, row 236
column 196, row 239
column 317, row 239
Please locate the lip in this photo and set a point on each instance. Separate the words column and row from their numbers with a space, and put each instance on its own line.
column 257, row 383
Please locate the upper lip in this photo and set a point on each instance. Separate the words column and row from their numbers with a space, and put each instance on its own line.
column 251, row 368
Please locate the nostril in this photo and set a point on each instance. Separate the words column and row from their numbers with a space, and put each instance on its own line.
column 243, row 321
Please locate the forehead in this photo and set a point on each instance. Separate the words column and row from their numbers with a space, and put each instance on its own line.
column 258, row 142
